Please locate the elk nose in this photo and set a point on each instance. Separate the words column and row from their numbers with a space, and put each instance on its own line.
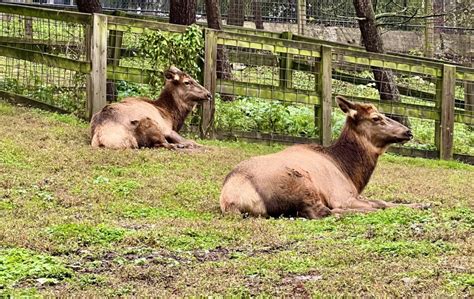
column 209, row 96
column 409, row 134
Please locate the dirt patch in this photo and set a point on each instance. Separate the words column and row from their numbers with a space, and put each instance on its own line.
column 212, row 255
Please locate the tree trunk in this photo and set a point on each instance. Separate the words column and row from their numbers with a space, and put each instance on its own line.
column 372, row 40
column 214, row 21
column 236, row 13
column 257, row 13
column 89, row 6
column 183, row 12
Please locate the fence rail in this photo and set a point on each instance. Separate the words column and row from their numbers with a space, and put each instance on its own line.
column 275, row 66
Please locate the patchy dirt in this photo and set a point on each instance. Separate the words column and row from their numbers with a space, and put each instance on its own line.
column 164, row 234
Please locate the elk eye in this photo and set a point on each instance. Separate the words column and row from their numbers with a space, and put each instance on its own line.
column 376, row 119
column 187, row 82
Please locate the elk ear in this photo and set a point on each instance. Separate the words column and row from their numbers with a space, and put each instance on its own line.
column 172, row 74
column 174, row 69
column 346, row 106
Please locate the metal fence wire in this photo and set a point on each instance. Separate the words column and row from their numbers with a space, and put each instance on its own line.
column 274, row 86
column 53, row 85
column 435, row 28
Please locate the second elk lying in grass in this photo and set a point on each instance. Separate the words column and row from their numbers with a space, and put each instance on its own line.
column 313, row 181
column 140, row 122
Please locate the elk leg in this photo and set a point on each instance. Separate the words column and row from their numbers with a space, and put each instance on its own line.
column 380, row 204
column 174, row 137
column 359, row 203
column 165, row 144
column 158, row 139
column 315, row 211
column 339, row 211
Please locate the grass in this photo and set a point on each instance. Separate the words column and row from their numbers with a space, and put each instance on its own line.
column 147, row 222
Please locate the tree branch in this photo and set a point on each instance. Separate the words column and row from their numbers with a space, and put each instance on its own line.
column 409, row 18
column 392, row 14
column 352, row 18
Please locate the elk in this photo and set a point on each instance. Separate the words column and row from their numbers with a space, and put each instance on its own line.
column 312, row 181
column 140, row 122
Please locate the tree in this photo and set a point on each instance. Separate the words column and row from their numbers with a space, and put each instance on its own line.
column 257, row 14
column 183, row 12
column 372, row 40
column 214, row 21
column 236, row 14
column 89, row 6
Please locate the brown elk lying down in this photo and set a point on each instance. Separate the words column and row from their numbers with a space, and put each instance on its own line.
column 140, row 122
column 313, row 181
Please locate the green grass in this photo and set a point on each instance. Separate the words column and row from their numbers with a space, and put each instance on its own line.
column 84, row 235
column 19, row 265
column 147, row 222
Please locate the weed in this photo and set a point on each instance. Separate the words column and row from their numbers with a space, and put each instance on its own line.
column 18, row 264
column 148, row 222
column 85, row 234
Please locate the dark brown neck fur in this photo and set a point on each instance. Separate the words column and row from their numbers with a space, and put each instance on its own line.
column 172, row 108
column 354, row 159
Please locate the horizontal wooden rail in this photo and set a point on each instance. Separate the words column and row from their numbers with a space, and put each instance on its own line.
column 402, row 64
column 464, row 73
column 285, row 139
column 29, row 102
column 301, row 64
column 35, row 42
column 400, row 108
column 268, row 44
column 357, row 47
column 408, row 65
column 135, row 75
column 413, row 110
column 47, row 59
column 46, row 13
column 118, row 23
column 267, row 92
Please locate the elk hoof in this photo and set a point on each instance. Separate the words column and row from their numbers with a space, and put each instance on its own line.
column 189, row 144
column 421, row 206
column 168, row 146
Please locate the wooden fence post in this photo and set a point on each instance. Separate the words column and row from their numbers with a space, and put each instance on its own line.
column 97, row 55
column 325, row 89
column 444, row 131
column 210, row 75
column 286, row 64
column 469, row 91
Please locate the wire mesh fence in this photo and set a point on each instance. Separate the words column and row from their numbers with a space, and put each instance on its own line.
column 464, row 132
column 48, row 83
column 435, row 28
column 268, row 93
column 270, row 86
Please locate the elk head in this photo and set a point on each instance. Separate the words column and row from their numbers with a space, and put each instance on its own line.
column 368, row 123
column 185, row 88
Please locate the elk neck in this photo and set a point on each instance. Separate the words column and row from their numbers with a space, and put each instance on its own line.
column 354, row 156
column 173, row 108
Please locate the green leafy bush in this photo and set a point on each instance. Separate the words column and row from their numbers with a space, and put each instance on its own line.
column 17, row 264
column 250, row 114
column 266, row 116
column 163, row 49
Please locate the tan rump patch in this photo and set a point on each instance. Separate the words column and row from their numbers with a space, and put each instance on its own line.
column 239, row 195
column 117, row 137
